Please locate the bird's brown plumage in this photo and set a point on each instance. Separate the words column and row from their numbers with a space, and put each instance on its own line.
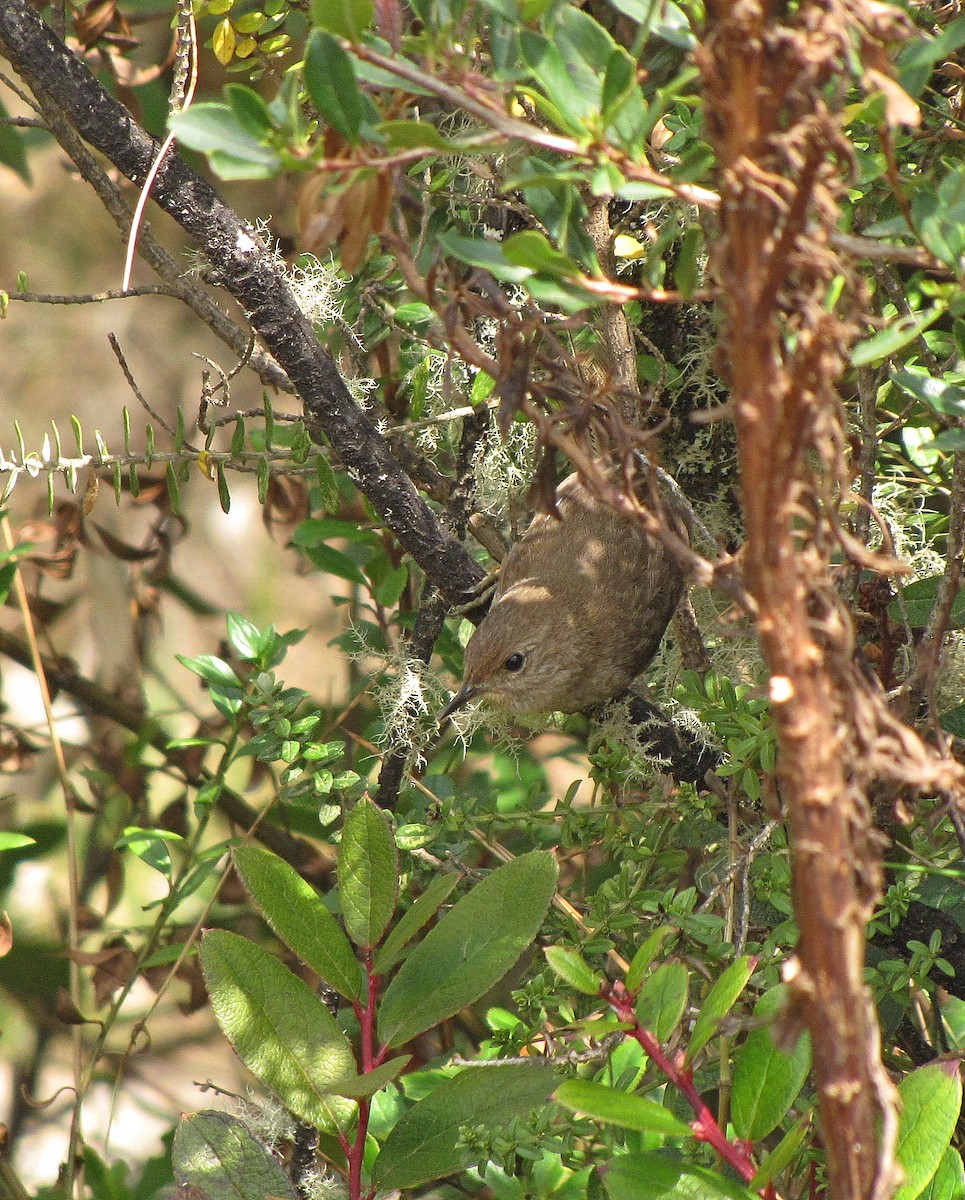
column 582, row 602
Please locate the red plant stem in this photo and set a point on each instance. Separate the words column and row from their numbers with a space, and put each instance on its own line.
column 365, row 1013
column 705, row 1127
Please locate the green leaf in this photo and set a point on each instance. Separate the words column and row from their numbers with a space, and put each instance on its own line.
column 234, row 153
column 953, row 720
column 662, row 999
column 217, row 1154
column 471, row 948
column 214, row 671
column 149, row 845
column 655, row 1177
column 251, row 112
column 332, row 86
column 425, row 1143
column 298, row 915
column 326, row 483
column 646, row 954
column 931, row 1100
column 334, row 562
column 368, row 873
column 279, row 1028
column 766, row 1079
column 899, row 333
column 917, row 59
column 946, row 398
column 481, row 252
column 15, row 841
column 718, row 1003
column 573, row 969
column 13, row 153
column 410, row 135
column 533, row 250
column 918, row 599
column 687, row 269
column 625, row 1109
column 419, row 915
column 948, row 1182
column 244, row 636
column 569, row 106
column 783, row 1154
column 346, row 18
column 359, row 1086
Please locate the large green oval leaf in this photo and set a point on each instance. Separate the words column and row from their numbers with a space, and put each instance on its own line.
column 217, row 1154
column 368, row 873
column 620, row 1108
column 471, row 948
column 424, row 1145
column 299, row 917
column 766, row 1079
column 279, row 1028
column 931, row 1099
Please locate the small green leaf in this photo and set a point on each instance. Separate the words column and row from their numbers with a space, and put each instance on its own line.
column 409, row 135
column 15, row 841
column 718, row 1003
column 326, row 483
column 931, row 1100
column 945, row 398
column 425, row 1143
column 244, row 636
column 899, row 333
column 646, row 954
column 279, row 1028
column 918, row 600
column 573, row 970
column 625, row 1109
column 419, row 915
column 224, row 495
column 655, row 1177
column 251, row 112
column 332, row 86
column 299, row 917
column 234, row 153
column 149, row 845
column 783, row 1154
column 766, row 1080
column 334, row 562
column 214, row 671
column 533, row 250
column 368, row 873
column 662, row 999
column 12, row 150
column 217, row 1154
column 174, row 490
column 346, row 18
column 687, row 269
column 358, row 1086
column 471, row 948
column 481, row 252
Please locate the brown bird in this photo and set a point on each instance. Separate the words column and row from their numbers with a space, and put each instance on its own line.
column 581, row 604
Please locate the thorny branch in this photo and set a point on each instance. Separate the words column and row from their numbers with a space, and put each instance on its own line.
column 62, row 84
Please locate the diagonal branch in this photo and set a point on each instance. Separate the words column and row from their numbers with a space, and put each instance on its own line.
column 252, row 276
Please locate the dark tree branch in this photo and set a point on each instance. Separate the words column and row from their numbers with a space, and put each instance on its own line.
column 251, row 275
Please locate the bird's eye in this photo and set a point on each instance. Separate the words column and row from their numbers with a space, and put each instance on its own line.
column 515, row 662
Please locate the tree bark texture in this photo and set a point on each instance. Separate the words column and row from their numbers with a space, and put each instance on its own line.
column 254, row 278
column 768, row 74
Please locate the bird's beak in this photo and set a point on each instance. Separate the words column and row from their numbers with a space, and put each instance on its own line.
column 466, row 693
